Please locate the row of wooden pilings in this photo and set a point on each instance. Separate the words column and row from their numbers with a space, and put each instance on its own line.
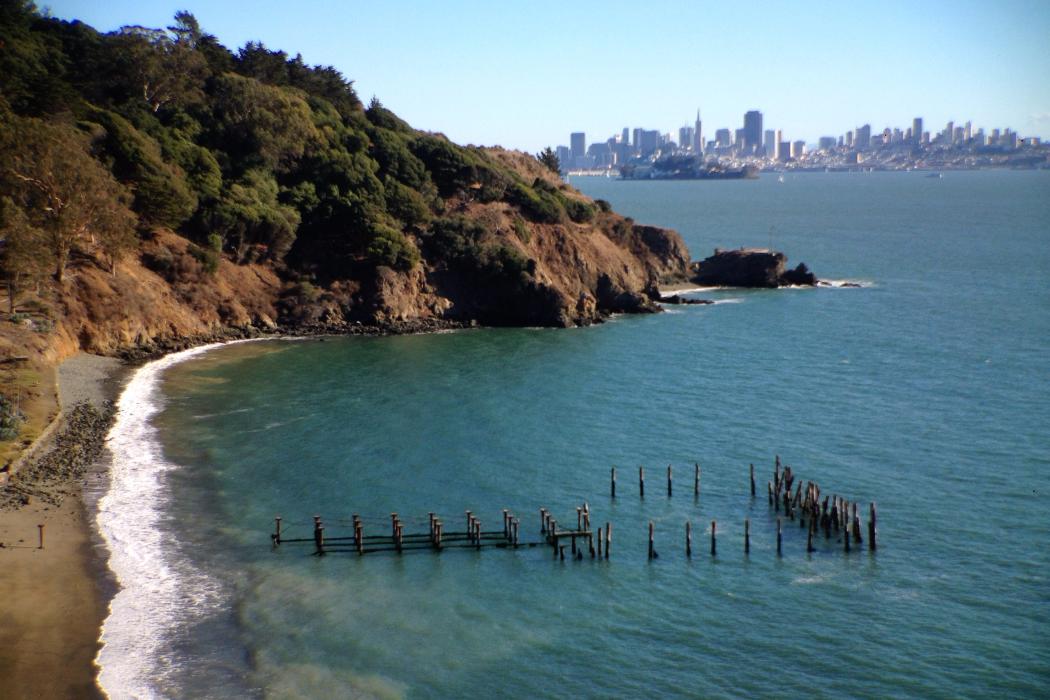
column 554, row 536
column 398, row 541
column 670, row 481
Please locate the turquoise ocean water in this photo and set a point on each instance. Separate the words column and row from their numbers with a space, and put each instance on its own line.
column 926, row 391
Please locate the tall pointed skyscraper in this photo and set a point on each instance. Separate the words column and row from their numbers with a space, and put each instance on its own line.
column 698, row 136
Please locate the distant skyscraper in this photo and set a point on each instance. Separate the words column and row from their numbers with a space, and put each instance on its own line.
column 698, row 134
column 826, row 143
column 625, row 138
column 916, row 129
column 863, row 137
column 770, row 143
column 564, row 156
column 778, row 137
column 636, row 138
column 798, row 149
column 741, row 141
column 949, row 132
column 578, row 144
column 753, row 131
column 723, row 138
column 968, row 132
column 685, row 137
column 649, row 141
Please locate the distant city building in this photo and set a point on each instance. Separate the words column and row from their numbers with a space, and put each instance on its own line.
column 798, row 149
column 959, row 136
column 784, row 151
column 948, row 135
column 753, row 131
column 770, row 143
column 625, row 136
column 698, row 134
column 636, row 138
column 723, row 139
column 778, row 137
column 863, row 137
column 968, row 132
column 564, row 156
column 685, row 137
column 916, row 129
column 648, row 141
column 849, row 139
column 578, row 144
column 741, row 141
column 826, row 143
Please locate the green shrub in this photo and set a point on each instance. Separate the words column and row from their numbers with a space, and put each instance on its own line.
column 11, row 419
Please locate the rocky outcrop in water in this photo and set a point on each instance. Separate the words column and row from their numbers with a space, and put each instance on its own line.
column 749, row 267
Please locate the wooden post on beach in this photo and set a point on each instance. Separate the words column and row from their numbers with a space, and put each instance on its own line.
column 688, row 539
column 696, row 481
column 641, row 482
column 668, row 480
column 650, row 540
column 747, row 535
column 780, row 537
column 318, row 536
column 713, row 542
column 612, row 485
column 277, row 531
column 40, row 532
column 872, row 530
column 752, row 481
column 608, row 538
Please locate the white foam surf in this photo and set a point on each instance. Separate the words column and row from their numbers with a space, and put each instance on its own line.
column 157, row 595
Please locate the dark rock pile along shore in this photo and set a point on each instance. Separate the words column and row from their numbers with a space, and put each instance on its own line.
column 75, row 449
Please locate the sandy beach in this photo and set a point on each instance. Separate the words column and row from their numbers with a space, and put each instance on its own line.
column 53, row 599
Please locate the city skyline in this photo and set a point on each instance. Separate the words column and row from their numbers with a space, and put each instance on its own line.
column 523, row 76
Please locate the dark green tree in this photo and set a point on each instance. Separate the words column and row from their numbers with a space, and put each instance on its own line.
column 550, row 159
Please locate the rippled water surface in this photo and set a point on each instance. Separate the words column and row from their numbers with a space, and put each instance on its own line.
column 924, row 391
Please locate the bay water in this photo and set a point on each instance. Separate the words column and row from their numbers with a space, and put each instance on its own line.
column 924, row 390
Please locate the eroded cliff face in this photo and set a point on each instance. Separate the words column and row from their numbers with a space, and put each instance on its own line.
column 164, row 296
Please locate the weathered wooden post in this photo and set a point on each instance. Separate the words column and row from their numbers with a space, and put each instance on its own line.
column 846, row 538
column 856, row 526
column 517, row 524
column 612, row 485
column 400, row 536
column 608, row 538
column 506, row 523
column 668, row 480
column 713, row 542
column 470, row 526
column 438, row 530
column 780, row 537
column 688, row 539
column 599, row 543
column 543, row 521
column 477, row 532
column 40, row 534
column 747, row 535
column 572, row 539
column 696, row 481
column 752, row 481
column 650, row 540
column 277, row 531
column 809, row 536
column 318, row 536
column 872, row 530
column 359, row 539
column 579, row 521
column 641, row 482
column 769, row 488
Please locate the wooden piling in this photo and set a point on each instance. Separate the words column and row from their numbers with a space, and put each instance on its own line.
column 599, row 543
column 516, row 524
column 752, row 481
column 872, row 529
column 769, row 488
column 359, row 539
column 40, row 535
column 612, row 485
column 470, row 526
column 506, row 523
column 318, row 536
column 668, row 480
column 809, row 536
column 477, row 533
column 608, row 538
column 714, row 545
column 543, row 521
column 688, row 539
column 277, row 530
column 856, row 526
column 439, row 528
column 579, row 518
column 780, row 537
column 641, row 482
column 747, row 535
column 650, row 540
column 845, row 539
column 572, row 537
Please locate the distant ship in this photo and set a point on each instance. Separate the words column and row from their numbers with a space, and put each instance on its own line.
column 685, row 168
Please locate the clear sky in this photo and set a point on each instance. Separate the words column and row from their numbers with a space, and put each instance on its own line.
column 523, row 74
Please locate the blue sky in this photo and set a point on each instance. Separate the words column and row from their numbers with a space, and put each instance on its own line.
column 525, row 74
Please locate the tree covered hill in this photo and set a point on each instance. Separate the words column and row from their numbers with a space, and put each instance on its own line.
column 181, row 169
